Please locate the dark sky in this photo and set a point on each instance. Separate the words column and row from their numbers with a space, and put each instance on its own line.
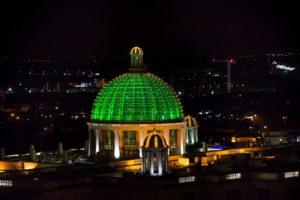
column 161, row 27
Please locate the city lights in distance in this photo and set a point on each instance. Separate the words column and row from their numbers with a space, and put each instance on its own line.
column 284, row 67
column 230, row 60
column 233, row 176
column 188, row 179
column 6, row 183
column 291, row 174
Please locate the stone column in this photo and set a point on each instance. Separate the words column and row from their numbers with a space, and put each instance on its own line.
column 182, row 140
column 179, row 141
column 166, row 135
column 159, row 163
column 192, row 136
column 141, row 140
column 196, row 134
column 151, row 164
column 97, row 149
column 148, row 165
column 116, row 144
column 187, row 136
column 121, row 142
column 143, row 162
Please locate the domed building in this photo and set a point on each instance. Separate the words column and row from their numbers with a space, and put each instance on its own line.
column 129, row 107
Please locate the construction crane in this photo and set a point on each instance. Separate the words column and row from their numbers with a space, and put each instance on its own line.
column 229, row 63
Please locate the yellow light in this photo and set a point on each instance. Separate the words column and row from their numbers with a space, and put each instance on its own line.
column 136, row 50
column 246, row 139
column 233, row 139
column 12, row 114
column 7, row 165
column 155, row 142
column 268, row 157
column 265, row 127
column 30, row 165
column 184, row 162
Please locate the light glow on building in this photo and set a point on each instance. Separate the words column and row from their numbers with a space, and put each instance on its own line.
column 6, row 183
column 284, row 67
column 8, row 165
column 233, row 176
column 116, row 145
column 291, row 174
column 187, row 179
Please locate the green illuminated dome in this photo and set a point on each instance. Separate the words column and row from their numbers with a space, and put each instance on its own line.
column 136, row 97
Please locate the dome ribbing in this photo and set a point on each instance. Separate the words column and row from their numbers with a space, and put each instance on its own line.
column 154, row 140
column 136, row 97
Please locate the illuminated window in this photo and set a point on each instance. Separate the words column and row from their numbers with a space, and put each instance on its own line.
column 233, row 176
column 173, row 138
column 129, row 139
column 187, row 179
column 6, row 183
column 108, row 140
column 291, row 174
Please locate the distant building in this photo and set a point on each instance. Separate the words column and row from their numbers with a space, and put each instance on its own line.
column 277, row 137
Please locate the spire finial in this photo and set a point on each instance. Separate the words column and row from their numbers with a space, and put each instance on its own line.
column 136, row 59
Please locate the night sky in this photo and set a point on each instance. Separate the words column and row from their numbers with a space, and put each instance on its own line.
column 160, row 27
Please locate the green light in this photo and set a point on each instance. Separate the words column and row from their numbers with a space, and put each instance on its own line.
column 136, row 97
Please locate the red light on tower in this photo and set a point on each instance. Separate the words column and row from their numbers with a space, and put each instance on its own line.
column 231, row 60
